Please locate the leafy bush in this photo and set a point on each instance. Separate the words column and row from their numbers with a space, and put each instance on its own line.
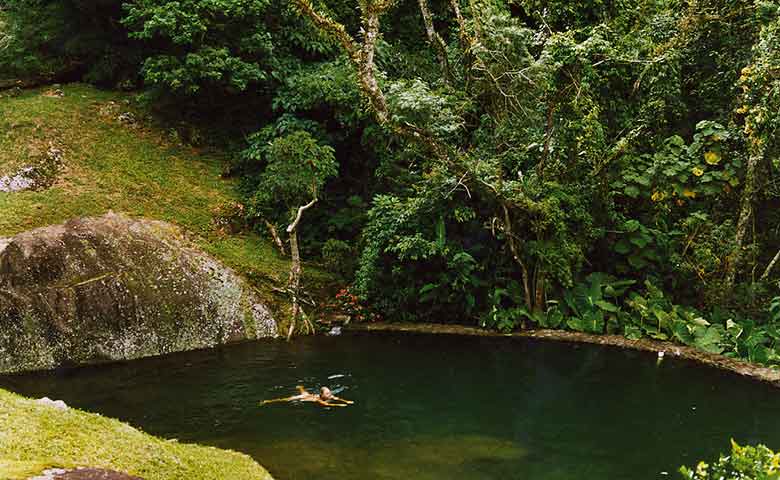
column 339, row 256
column 744, row 463
column 69, row 39
column 201, row 46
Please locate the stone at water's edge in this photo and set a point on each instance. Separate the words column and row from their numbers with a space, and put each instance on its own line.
column 83, row 474
column 114, row 288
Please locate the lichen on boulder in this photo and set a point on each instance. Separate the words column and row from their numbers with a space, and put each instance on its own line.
column 113, row 288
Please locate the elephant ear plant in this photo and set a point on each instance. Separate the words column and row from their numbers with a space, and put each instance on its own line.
column 297, row 166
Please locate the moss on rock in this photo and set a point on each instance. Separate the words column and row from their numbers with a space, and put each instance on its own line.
column 113, row 288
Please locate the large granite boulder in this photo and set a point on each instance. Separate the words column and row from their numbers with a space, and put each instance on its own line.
column 114, row 288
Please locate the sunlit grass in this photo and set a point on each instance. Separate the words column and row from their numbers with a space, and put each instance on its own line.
column 108, row 165
column 138, row 170
column 34, row 437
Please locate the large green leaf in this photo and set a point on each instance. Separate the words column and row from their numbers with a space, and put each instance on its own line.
column 682, row 332
column 553, row 319
column 594, row 321
column 441, row 233
column 576, row 324
column 607, row 306
column 631, row 191
column 632, row 332
column 709, row 338
column 760, row 354
column 637, row 262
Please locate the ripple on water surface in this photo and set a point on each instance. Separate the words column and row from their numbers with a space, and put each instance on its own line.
column 433, row 407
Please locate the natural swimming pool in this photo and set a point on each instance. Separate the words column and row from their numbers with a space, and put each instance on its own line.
column 433, row 407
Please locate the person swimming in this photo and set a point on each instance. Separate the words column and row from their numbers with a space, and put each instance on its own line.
column 325, row 398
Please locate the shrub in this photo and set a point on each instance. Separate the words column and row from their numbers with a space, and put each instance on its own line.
column 744, row 463
column 339, row 257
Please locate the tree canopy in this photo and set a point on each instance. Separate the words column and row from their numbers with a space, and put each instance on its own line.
column 598, row 165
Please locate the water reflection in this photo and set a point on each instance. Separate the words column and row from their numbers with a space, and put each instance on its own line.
column 420, row 457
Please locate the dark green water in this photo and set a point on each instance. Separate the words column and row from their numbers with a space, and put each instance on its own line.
column 433, row 407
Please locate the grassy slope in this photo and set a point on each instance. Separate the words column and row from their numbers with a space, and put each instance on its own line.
column 34, row 437
column 140, row 171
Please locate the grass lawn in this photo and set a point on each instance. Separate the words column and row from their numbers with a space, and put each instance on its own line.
column 34, row 437
column 136, row 169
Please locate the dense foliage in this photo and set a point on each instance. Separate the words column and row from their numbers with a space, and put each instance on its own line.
column 600, row 166
column 744, row 463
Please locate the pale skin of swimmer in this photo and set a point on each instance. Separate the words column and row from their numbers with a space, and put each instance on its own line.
column 325, row 397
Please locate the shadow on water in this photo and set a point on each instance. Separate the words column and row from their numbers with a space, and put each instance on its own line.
column 433, row 407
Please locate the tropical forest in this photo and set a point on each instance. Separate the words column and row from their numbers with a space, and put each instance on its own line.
column 389, row 239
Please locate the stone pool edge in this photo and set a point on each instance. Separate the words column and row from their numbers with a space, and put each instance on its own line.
column 740, row 367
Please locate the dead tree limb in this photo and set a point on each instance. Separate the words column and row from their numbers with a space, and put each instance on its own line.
column 275, row 235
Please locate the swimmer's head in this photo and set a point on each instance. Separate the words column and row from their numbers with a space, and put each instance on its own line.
column 325, row 393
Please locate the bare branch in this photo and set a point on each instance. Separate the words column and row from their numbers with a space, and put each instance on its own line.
column 769, row 267
column 275, row 235
column 291, row 228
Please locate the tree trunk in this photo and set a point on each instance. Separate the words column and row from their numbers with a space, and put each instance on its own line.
column 436, row 41
column 294, row 283
column 366, row 67
column 745, row 214
column 463, row 35
column 539, row 286
column 361, row 55
column 516, row 256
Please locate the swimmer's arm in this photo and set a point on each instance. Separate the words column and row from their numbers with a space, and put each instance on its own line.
column 328, row 404
column 279, row 400
column 348, row 402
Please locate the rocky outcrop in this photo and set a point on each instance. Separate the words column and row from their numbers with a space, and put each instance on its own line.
column 114, row 288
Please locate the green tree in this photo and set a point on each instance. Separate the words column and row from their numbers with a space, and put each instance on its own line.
column 297, row 167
